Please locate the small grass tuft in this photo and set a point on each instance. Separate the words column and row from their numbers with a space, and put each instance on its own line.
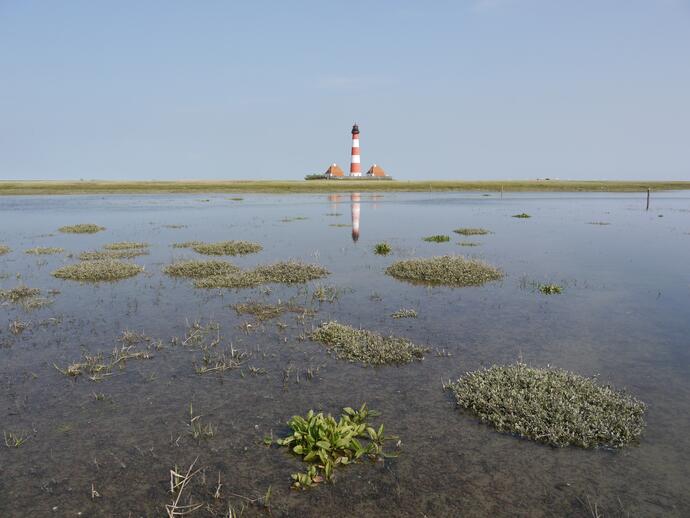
column 467, row 231
column 382, row 248
column 367, row 347
column 99, row 270
column 100, row 255
column 4, row 249
column 48, row 250
column 550, row 289
column 468, row 243
column 19, row 293
column 404, row 313
column 550, row 405
column 14, row 439
column 199, row 269
column 447, row 270
column 438, row 238
column 522, row 215
column 239, row 279
column 326, row 443
column 261, row 311
column 84, row 228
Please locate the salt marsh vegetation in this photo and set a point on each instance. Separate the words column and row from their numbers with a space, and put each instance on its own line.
column 83, row 228
column 449, row 270
column 550, row 405
column 222, row 247
column 468, row 231
column 44, row 250
column 98, row 270
column 438, row 238
column 366, row 347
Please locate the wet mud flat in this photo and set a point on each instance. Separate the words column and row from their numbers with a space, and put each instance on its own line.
column 111, row 388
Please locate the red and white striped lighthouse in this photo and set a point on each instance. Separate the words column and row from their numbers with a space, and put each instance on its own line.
column 355, row 167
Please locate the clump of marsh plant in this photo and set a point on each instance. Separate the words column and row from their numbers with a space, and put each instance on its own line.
column 404, row 313
column 550, row 289
column 550, row 405
column 467, row 231
column 19, row 293
column 522, row 215
column 261, row 311
column 290, row 272
column 294, row 218
column 99, row 270
column 221, row 361
column 47, row 250
column 468, row 243
column 92, row 365
column 326, row 443
column 438, row 238
column 4, row 249
column 17, row 327
column 200, row 336
column 325, row 293
column 450, row 270
column 84, row 228
column 199, row 269
column 14, row 439
column 223, row 247
column 382, row 248
column 125, row 245
column 602, row 223
column 197, row 429
column 239, row 279
column 367, row 347
column 187, row 244
column 100, row 255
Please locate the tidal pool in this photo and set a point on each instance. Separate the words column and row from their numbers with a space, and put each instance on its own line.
column 106, row 448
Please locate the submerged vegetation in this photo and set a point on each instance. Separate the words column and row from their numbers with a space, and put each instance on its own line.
column 550, row 289
column 367, row 347
column 552, row 406
column 466, row 231
column 326, row 443
column 450, row 270
column 222, row 247
column 382, row 248
column 48, row 250
column 199, row 269
column 282, row 272
column 438, row 238
column 404, row 313
column 261, row 311
column 84, row 228
column 98, row 270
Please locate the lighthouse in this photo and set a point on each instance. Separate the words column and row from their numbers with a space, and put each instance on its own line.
column 355, row 167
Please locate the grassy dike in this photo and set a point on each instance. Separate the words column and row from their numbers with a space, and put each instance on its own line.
column 327, row 186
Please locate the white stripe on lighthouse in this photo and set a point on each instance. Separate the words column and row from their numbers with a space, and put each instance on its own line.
column 355, row 142
column 355, row 159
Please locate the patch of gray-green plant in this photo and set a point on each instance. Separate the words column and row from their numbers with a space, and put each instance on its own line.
column 100, row 255
column 551, row 289
column 222, row 247
column 551, row 405
column 522, row 215
column 4, row 249
column 84, row 228
column 438, row 238
column 449, row 270
column 468, row 243
column 367, row 347
column 26, row 297
column 404, row 313
column 126, row 245
column 467, row 231
column 282, row 272
column 263, row 311
column 44, row 250
column 198, row 269
column 98, row 270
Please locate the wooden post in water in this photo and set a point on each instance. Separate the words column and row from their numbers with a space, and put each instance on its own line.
column 647, row 198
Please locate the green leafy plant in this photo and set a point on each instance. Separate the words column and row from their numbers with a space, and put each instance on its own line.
column 522, row 215
column 84, row 228
column 550, row 289
column 382, row 248
column 327, row 443
column 449, row 270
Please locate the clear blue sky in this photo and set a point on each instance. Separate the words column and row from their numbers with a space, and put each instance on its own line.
column 257, row 89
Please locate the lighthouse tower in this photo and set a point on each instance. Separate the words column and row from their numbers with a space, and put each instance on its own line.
column 355, row 167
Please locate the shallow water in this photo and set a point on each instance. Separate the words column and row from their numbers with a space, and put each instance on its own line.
column 624, row 316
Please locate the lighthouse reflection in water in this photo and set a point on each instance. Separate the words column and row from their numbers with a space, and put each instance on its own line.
column 354, row 202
